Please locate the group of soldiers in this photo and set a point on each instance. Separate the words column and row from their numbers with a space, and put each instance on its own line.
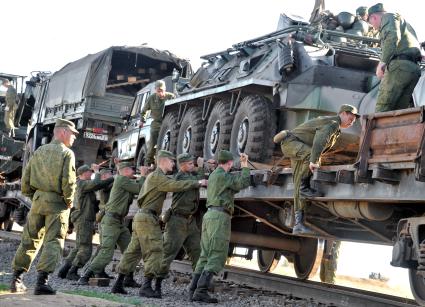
column 50, row 181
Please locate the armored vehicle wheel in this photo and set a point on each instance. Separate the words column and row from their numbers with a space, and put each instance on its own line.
column 417, row 286
column 267, row 260
column 253, row 129
column 217, row 133
column 167, row 137
column 307, row 260
column 141, row 156
column 191, row 133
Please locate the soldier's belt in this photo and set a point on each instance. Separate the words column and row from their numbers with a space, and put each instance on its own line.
column 148, row 211
column 221, row 209
column 115, row 216
column 185, row 216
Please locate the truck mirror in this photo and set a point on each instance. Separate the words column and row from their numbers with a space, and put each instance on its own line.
column 175, row 75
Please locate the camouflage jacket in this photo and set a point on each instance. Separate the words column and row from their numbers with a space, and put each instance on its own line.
column 397, row 37
column 156, row 105
column 320, row 133
column 11, row 96
column 49, row 178
column 104, row 195
column 222, row 186
column 155, row 190
column 187, row 202
column 122, row 194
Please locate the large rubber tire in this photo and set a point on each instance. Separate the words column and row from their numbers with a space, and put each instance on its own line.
column 167, row 137
column 141, row 156
column 191, row 133
column 217, row 132
column 253, row 129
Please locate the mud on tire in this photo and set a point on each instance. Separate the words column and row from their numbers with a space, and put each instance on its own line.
column 167, row 137
column 191, row 133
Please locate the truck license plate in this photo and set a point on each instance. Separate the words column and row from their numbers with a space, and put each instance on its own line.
column 94, row 136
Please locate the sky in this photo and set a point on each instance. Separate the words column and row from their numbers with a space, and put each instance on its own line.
column 48, row 34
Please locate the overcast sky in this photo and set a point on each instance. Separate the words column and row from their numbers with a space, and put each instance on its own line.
column 46, row 35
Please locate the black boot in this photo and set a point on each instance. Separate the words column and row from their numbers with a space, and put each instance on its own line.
column 104, row 275
column 130, row 282
column 64, row 269
column 158, row 286
column 306, row 190
column 17, row 285
column 118, row 286
column 299, row 227
column 73, row 273
column 42, row 287
column 201, row 292
column 193, row 285
column 84, row 280
column 146, row 289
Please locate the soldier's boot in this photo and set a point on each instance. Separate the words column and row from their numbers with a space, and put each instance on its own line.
column 130, row 282
column 146, row 289
column 299, row 227
column 306, row 190
column 73, row 273
column 118, row 286
column 42, row 287
column 158, row 287
column 193, row 285
column 17, row 285
column 103, row 274
column 84, row 280
column 63, row 270
column 201, row 292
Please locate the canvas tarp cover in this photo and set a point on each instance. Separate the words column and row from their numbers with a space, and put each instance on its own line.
column 89, row 76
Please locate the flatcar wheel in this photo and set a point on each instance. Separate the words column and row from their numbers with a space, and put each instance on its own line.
column 417, row 286
column 267, row 260
column 307, row 260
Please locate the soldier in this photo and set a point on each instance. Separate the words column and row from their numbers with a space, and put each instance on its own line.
column 155, row 103
column 83, row 218
column 304, row 145
column 49, row 180
column 146, row 240
column 398, row 68
column 216, row 223
column 10, row 108
column 329, row 263
column 361, row 13
column 114, row 231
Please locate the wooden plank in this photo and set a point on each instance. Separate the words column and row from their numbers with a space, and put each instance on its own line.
column 128, row 83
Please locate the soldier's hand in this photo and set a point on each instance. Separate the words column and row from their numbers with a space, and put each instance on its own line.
column 141, row 124
column 95, row 167
column 203, row 182
column 70, row 205
column 380, row 70
column 244, row 160
column 144, row 170
column 313, row 166
column 116, row 160
column 200, row 162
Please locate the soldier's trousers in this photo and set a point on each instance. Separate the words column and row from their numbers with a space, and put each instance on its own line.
column 82, row 251
column 146, row 242
column 113, row 233
column 48, row 230
column 299, row 153
column 180, row 232
column 396, row 88
column 215, row 240
column 154, row 132
column 329, row 263
column 9, row 117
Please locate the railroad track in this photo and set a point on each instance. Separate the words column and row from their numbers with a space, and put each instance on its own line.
column 324, row 293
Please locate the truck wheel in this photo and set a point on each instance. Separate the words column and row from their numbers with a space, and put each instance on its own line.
column 253, row 129
column 191, row 133
column 141, row 156
column 267, row 260
column 167, row 137
column 217, row 132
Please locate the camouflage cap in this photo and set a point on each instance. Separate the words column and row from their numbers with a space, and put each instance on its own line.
column 377, row 8
column 160, row 84
column 82, row 169
column 105, row 170
column 63, row 123
column 123, row 165
column 361, row 11
column 349, row 108
column 224, row 156
column 185, row 157
column 165, row 154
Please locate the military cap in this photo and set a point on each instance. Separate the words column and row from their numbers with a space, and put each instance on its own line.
column 349, row 108
column 105, row 170
column 160, row 84
column 224, row 156
column 122, row 165
column 165, row 154
column 377, row 8
column 82, row 169
column 185, row 157
column 63, row 123
column 361, row 11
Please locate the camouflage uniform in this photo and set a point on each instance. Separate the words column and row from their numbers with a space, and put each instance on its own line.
column 305, row 144
column 9, row 115
column 329, row 263
column 156, row 105
column 83, row 218
column 400, row 53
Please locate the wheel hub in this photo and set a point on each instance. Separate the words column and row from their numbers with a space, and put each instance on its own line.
column 166, row 141
column 215, row 133
column 243, row 135
column 187, row 139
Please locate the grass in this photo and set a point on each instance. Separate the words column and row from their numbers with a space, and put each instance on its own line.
column 4, row 289
column 106, row 296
